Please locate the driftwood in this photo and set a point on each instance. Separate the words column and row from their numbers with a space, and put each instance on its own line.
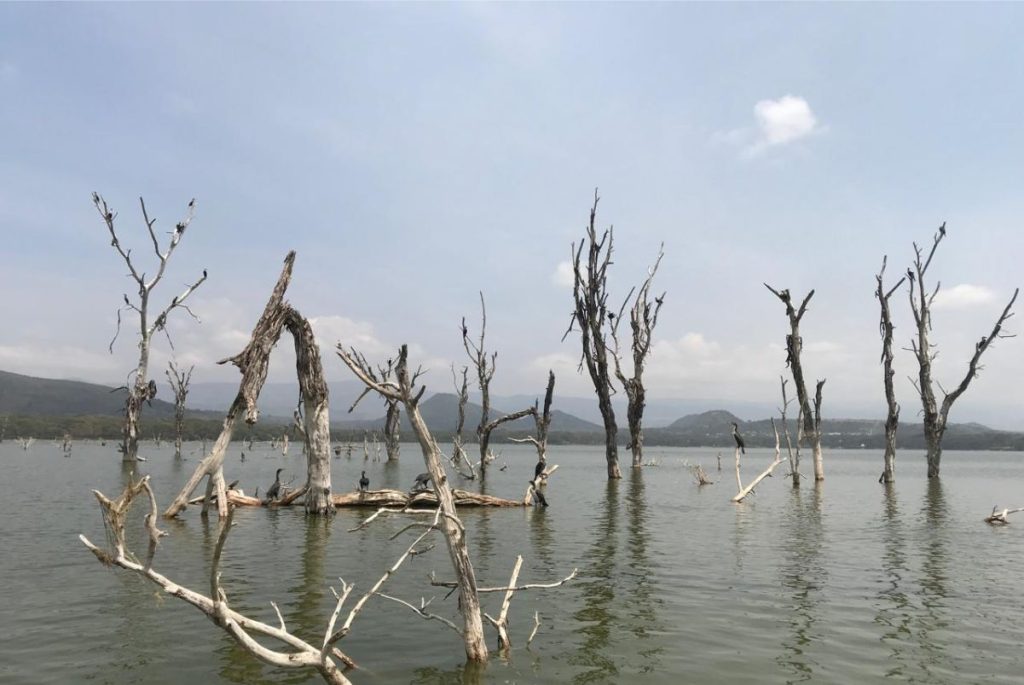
column 744, row 491
column 643, row 317
column 700, row 475
column 1001, row 517
column 590, row 312
column 936, row 415
column 143, row 388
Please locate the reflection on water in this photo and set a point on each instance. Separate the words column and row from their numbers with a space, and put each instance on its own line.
column 804, row 577
column 894, row 611
column 641, row 595
column 932, row 593
column 597, row 618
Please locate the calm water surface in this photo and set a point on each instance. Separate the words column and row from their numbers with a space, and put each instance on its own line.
column 843, row 583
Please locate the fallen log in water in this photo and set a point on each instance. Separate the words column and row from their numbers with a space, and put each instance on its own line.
column 385, row 498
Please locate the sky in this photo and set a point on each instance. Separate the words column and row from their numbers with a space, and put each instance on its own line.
column 417, row 154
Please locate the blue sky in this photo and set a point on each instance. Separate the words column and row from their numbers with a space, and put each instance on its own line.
column 414, row 154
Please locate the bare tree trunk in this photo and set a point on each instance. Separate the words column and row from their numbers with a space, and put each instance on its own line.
column 936, row 415
column 179, row 381
column 317, row 422
column 794, row 345
column 315, row 425
column 454, row 532
column 892, row 419
column 643, row 317
column 590, row 298
column 485, row 372
column 142, row 388
column 391, row 437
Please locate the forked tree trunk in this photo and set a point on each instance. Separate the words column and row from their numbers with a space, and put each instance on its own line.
column 179, row 381
column 936, row 415
column 892, row 418
column 142, row 388
column 643, row 317
column 455, row 534
column 253, row 362
column 794, row 346
column 590, row 311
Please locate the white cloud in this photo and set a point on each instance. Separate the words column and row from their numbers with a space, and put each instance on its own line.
column 563, row 275
column 777, row 123
column 963, row 296
column 784, row 120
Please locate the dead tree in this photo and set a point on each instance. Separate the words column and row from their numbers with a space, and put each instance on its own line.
column 542, row 421
column 810, row 429
column 459, row 456
column 792, row 453
column 484, row 366
column 179, row 381
column 393, row 410
column 1001, row 516
column 892, row 418
column 402, row 389
column 143, row 389
column 935, row 415
column 643, row 317
column 590, row 313
column 252, row 362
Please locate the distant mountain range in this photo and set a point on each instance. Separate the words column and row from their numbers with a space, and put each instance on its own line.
column 56, row 400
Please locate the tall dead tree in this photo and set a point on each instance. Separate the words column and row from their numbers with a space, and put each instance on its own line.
column 179, row 381
column 253, row 362
column 590, row 312
column 935, row 415
column 643, row 317
column 484, row 366
column 892, row 418
column 811, row 427
column 402, row 388
column 393, row 409
column 142, row 388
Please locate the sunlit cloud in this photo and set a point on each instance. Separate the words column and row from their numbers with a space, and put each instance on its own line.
column 563, row 275
column 963, row 296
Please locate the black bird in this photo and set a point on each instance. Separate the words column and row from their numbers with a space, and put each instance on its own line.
column 538, row 470
column 364, row 482
column 421, row 481
column 232, row 485
column 739, row 438
column 150, row 392
column 539, row 495
column 243, row 456
column 910, row 275
column 942, row 229
column 275, row 488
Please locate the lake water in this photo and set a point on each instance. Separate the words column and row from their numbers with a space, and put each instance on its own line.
column 845, row 583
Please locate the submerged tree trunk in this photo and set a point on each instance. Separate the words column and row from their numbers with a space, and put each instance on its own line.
column 892, row 418
column 936, row 415
column 590, row 312
column 253, row 362
column 454, row 532
column 643, row 317
column 484, row 366
column 142, row 389
column 179, row 381
column 391, row 437
column 810, row 429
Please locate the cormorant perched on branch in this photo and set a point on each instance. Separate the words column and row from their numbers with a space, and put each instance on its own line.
column 739, row 438
column 275, row 488
column 942, row 229
column 364, row 482
column 421, row 482
column 538, row 470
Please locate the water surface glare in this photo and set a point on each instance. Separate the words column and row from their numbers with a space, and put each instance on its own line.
column 844, row 583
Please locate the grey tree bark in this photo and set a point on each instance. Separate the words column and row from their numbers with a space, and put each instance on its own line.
column 253, row 362
column 485, row 368
column 892, row 418
column 393, row 410
column 403, row 389
column 143, row 389
column 810, row 429
column 643, row 317
column 590, row 312
column 179, row 381
column 936, row 414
